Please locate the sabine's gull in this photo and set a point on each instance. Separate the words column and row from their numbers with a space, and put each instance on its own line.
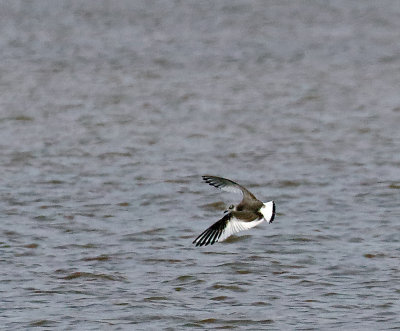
column 246, row 215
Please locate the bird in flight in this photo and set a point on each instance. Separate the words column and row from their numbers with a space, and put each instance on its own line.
column 246, row 215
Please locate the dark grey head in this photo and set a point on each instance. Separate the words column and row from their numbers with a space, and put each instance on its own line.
column 230, row 208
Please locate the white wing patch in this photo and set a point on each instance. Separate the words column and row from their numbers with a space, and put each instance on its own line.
column 223, row 229
column 235, row 226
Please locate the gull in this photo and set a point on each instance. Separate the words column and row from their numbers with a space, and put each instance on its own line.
column 246, row 215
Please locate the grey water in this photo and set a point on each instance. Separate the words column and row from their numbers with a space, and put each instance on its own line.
column 110, row 112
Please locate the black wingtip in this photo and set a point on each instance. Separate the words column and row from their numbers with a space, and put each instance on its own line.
column 211, row 235
column 208, row 237
column 211, row 181
column 204, row 243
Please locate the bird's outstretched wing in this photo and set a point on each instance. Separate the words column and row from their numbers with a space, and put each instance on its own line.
column 229, row 186
column 231, row 223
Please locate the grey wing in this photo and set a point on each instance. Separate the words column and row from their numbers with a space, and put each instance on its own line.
column 229, row 186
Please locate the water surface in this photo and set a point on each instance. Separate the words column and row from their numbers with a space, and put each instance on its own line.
column 111, row 112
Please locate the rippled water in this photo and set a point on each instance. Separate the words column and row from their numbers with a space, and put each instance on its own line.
column 110, row 112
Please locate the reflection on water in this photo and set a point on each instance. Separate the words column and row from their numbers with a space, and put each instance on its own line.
column 109, row 115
